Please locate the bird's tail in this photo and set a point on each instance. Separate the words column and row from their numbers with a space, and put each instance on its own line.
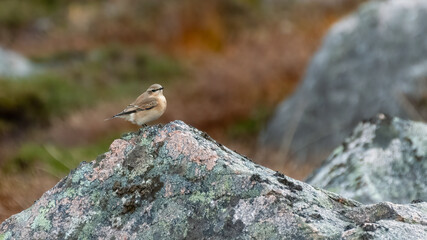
column 120, row 115
column 110, row 118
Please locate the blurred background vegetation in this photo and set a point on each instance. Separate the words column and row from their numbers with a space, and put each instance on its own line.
column 89, row 59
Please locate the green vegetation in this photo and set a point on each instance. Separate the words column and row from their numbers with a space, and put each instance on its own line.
column 117, row 64
column 33, row 101
column 76, row 80
column 53, row 159
column 18, row 13
column 81, row 80
column 250, row 126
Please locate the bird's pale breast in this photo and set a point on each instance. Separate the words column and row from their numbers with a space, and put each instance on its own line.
column 144, row 117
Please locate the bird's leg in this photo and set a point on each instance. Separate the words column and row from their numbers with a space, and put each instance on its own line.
column 143, row 126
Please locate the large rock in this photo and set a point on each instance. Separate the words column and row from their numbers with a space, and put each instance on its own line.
column 174, row 182
column 384, row 160
column 13, row 64
column 370, row 62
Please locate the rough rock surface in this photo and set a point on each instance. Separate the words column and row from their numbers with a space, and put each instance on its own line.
column 384, row 160
column 373, row 61
column 13, row 64
column 175, row 182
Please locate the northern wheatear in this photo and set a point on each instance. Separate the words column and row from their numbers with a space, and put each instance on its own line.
column 148, row 107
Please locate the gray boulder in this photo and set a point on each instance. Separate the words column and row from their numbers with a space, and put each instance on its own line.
column 370, row 62
column 384, row 160
column 13, row 64
column 175, row 182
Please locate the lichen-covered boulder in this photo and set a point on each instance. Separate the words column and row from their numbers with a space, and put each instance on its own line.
column 175, row 182
column 384, row 160
column 373, row 61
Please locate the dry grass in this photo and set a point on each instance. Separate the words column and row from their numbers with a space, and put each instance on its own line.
column 19, row 192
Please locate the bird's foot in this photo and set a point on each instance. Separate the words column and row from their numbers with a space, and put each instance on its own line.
column 142, row 128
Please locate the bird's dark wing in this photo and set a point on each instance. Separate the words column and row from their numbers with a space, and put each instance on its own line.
column 139, row 105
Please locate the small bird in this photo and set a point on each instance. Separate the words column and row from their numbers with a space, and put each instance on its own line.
column 148, row 107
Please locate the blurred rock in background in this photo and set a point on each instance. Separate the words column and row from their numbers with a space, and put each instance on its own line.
column 371, row 61
column 13, row 64
column 383, row 160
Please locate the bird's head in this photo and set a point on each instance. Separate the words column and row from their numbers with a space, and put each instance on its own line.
column 155, row 89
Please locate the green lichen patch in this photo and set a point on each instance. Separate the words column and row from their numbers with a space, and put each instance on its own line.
column 42, row 221
column 264, row 230
column 5, row 236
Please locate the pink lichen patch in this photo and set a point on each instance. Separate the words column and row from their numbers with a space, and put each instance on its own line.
column 78, row 207
column 42, row 202
column 147, row 210
column 114, row 157
column 133, row 141
column 247, row 211
column 113, row 233
column 57, row 218
column 183, row 143
column 168, row 190
column 161, row 136
column 40, row 235
column 118, row 146
column 55, row 189
column 65, row 201
column 144, row 135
